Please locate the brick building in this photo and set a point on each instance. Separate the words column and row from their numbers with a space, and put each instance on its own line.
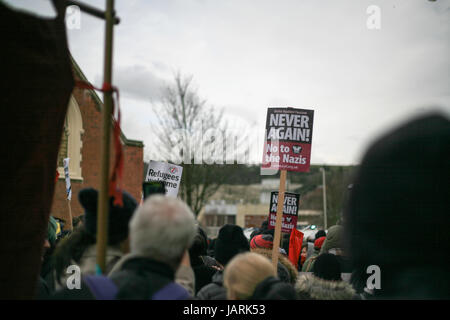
column 81, row 142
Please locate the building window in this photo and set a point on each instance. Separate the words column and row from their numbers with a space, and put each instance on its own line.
column 71, row 142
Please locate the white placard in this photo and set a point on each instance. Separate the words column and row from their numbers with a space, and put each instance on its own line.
column 169, row 173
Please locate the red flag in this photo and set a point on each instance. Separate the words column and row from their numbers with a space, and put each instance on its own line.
column 295, row 246
column 56, row 176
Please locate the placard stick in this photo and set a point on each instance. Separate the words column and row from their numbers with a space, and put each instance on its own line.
column 70, row 216
column 280, row 205
column 103, row 199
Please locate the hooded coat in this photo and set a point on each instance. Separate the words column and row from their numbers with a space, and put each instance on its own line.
column 309, row 287
column 334, row 240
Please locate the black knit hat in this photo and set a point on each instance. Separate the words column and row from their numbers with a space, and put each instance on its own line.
column 119, row 217
column 327, row 267
column 230, row 241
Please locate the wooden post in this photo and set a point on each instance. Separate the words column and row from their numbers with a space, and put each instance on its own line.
column 103, row 198
column 280, row 205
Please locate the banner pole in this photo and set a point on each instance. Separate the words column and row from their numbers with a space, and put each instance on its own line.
column 103, row 199
column 280, row 205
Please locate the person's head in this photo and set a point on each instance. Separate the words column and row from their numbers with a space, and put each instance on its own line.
column 318, row 243
column 333, row 240
column 304, row 250
column 229, row 242
column 397, row 216
column 320, row 234
column 163, row 228
column 73, row 246
column 303, row 255
column 118, row 217
column 262, row 241
column 264, row 224
column 244, row 272
column 327, row 267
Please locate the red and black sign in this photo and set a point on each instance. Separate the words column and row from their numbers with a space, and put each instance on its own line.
column 290, row 211
column 288, row 139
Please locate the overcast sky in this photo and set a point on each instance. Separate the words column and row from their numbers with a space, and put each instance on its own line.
column 247, row 55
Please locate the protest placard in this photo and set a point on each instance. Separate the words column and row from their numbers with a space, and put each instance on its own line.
column 288, row 139
column 287, row 147
column 290, row 211
column 168, row 173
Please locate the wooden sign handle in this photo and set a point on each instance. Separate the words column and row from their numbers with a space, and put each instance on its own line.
column 69, row 224
column 280, row 205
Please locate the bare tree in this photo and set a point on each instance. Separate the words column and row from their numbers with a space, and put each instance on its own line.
column 195, row 135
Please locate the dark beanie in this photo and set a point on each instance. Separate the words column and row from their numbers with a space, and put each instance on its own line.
column 118, row 217
column 320, row 234
column 327, row 267
column 230, row 241
column 398, row 211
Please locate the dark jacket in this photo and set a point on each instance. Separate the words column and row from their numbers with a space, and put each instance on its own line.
column 215, row 290
column 203, row 273
column 138, row 279
column 42, row 290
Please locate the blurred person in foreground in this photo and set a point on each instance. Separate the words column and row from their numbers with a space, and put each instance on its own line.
column 79, row 248
column 161, row 231
column 45, row 286
column 397, row 218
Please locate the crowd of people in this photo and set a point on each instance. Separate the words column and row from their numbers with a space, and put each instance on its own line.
column 396, row 219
